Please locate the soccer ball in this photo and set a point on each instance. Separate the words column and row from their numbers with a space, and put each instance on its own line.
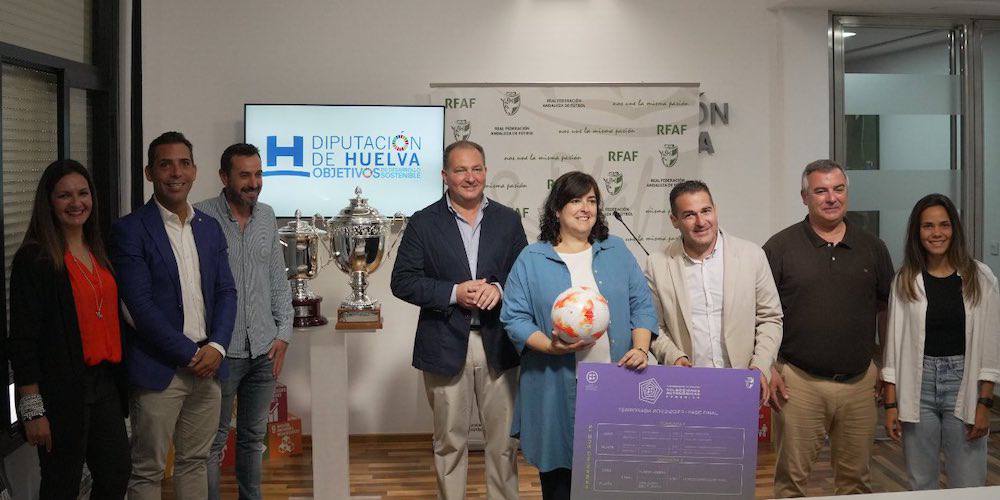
column 580, row 313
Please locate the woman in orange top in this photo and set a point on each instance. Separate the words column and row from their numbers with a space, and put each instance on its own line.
column 65, row 341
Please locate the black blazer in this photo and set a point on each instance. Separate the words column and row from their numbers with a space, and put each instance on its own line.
column 44, row 345
column 431, row 260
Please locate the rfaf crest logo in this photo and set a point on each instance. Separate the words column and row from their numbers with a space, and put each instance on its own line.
column 749, row 382
column 462, row 130
column 614, row 182
column 668, row 155
column 511, row 103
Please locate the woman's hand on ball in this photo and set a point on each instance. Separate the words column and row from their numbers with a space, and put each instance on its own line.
column 558, row 346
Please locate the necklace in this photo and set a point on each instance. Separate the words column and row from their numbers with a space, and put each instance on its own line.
column 98, row 295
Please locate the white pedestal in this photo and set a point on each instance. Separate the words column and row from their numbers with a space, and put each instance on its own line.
column 330, row 430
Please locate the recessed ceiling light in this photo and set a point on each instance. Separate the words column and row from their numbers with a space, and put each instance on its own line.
column 848, row 34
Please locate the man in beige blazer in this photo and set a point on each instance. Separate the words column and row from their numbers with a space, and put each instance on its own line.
column 716, row 298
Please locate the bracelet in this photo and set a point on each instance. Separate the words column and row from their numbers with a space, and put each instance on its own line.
column 31, row 406
column 644, row 351
column 889, row 406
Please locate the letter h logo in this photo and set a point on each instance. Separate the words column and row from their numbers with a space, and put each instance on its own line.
column 274, row 151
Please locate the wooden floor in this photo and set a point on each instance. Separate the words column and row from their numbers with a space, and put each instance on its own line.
column 401, row 466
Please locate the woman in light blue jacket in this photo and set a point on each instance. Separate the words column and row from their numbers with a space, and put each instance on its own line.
column 574, row 249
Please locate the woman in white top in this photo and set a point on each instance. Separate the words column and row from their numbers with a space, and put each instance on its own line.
column 942, row 354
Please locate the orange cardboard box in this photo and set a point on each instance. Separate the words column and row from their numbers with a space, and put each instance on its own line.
column 278, row 411
column 284, row 439
column 168, row 470
column 764, row 425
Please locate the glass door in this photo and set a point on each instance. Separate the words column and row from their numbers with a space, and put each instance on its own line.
column 898, row 117
column 988, row 36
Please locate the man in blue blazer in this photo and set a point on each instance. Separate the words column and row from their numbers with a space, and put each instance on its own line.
column 453, row 262
column 173, row 276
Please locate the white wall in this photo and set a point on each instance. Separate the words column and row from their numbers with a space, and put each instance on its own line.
column 203, row 60
column 800, row 114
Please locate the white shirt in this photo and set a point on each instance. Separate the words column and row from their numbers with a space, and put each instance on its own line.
column 581, row 273
column 904, row 347
column 703, row 279
column 470, row 241
column 189, row 271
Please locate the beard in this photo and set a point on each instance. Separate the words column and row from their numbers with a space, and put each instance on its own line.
column 241, row 197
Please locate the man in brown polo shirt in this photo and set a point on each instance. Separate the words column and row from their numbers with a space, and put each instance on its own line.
column 833, row 278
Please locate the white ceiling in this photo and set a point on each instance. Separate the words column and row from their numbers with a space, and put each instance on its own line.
column 940, row 7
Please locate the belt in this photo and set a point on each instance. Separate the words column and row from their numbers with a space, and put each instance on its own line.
column 829, row 375
column 475, row 328
column 836, row 377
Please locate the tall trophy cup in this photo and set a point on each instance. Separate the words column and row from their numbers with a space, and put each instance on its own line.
column 357, row 245
column 301, row 241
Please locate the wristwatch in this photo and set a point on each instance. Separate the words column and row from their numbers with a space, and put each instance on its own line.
column 987, row 402
column 889, row 406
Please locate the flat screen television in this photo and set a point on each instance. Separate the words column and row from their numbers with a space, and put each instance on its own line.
column 314, row 156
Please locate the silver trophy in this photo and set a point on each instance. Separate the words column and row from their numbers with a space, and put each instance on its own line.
column 301, row 240
column 357, row 244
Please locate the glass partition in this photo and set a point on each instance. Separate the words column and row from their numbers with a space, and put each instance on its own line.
column 900, row 96
column 990, row 44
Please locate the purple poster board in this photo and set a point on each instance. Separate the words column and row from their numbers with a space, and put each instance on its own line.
column 665, row 432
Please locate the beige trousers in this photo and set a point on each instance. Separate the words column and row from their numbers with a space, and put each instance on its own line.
column 818, row 407
column 451, row 401
column 185, row 413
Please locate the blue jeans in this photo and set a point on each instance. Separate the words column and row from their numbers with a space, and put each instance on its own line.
column 940, row 430
column 251, row 382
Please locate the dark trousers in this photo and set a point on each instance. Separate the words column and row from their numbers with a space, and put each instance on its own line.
column 102, row 444
column 555, row 484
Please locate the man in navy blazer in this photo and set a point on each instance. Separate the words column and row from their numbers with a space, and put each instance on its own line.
column 452, row 262
column 173, row 276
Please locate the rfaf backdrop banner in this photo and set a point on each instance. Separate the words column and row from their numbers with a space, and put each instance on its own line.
column 637, row 140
